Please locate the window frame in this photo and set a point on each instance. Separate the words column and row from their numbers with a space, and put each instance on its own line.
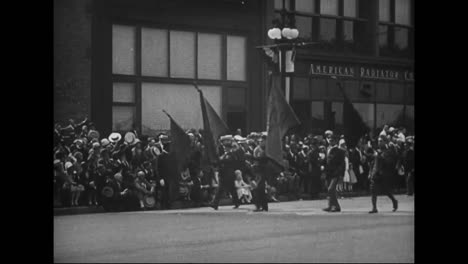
column 138, row 78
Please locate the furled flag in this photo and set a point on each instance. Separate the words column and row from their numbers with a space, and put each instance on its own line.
column 180, row 144
column 354, row 126
column 213, row 128
column 280, row 118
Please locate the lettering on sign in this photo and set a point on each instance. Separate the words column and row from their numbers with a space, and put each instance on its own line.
column 331, row 70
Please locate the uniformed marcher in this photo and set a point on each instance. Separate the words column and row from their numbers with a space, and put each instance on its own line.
column 261, row 160
column 382, row 172
column 227, row 166
column 334, row 172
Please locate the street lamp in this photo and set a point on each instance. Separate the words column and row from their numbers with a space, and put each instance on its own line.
column 284, row 34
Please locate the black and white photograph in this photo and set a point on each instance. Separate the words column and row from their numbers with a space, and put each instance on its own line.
column 233, row 131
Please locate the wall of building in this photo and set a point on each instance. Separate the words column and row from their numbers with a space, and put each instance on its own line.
column 72, row 59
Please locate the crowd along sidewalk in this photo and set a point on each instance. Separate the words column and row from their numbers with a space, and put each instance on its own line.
column 188, row 204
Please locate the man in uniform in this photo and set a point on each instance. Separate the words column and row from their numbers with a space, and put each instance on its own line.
column 382, row 172
column 227, row 166
column 334, row 172
column 261, row 160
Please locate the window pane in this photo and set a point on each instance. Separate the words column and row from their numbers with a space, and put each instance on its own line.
column 367, row 113
column 279, row 4
column 329, row 7
column 182, row 54
column 209, row 56
column 317, row 88
column 401, row 38
column 337, row 107
column 402, row 12
column 305, row 6
column 348, row 30
column 316, row 109
column 327, row 29
column 181, row 101
column 154, row 52
column 301, row 88
column 304, row 25
column 384, row 10
column 123, row 49
column 382, row 90
column 388, row 114
column 350, row 8
column 383, row 36
column 123, row 92
column 123, row 118
column 236, row 97
column 236, row 67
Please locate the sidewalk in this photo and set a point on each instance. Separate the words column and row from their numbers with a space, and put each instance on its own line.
column 187, row 204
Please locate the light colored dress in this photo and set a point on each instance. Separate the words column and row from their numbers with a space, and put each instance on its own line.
column 243, row 190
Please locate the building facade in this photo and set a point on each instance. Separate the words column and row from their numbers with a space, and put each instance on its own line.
column 368, row 45
column 122, row 62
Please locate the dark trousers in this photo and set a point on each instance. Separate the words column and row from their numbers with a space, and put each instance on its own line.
column 380, row 186
column 332, row 196
column 260, row 198
column 224, row 187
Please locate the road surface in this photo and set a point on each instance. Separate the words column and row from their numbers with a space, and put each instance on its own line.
column 290, row 232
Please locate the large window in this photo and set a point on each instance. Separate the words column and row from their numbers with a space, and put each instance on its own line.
column 324, row 21
column 396, row 28
column 167, row 59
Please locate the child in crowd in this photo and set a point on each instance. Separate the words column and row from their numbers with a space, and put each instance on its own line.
column 243, row 189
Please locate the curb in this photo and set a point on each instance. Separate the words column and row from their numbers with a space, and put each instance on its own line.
column 222, row 202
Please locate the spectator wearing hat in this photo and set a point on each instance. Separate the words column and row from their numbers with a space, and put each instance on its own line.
column 260, row 199
column 315, row 171
column 382, row 172
column 142, row 188
column 385, row 131
column 76, row 186
column 302, row 160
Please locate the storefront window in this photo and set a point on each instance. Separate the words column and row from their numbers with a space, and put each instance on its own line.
column 123, row 49
column 401, row 37
column 307, row 6
column 279, row 4
column 389, row 114
column 402, row 12
column 304, row 25
column 366, row 111
column 337, row 109
column 327, row 29
column 348, row 28
column 301, row 88
column 182, row 50
column 384, row 10
column 123, row 93
column 123, row 118
column 209, row 56
column 316, row 110
column 236, row 58
column 329, row 7
column 181, row 101
column 350, row 8
column 154, row 50
column 383, row 36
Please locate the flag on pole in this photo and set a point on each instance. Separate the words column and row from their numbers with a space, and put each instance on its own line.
column 354, row 126
column 180, row 144
column 213, row 128
column 280, row 118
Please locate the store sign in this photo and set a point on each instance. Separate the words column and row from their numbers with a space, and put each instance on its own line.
column 362, row 72
column 331, row 70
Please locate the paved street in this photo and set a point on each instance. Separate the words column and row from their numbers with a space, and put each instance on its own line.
column 290, row 232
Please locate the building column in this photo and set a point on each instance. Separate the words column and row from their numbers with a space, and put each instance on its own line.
column 373, row 27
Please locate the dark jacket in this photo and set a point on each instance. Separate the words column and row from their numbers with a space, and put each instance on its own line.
column 335, row 163
column 384, row 163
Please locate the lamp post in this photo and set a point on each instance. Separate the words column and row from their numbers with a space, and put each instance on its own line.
column 284, row 34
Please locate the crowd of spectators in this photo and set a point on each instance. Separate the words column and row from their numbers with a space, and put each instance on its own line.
column 91, row 169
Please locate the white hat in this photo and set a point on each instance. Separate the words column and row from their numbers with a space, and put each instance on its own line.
column 328, row 132
column 130, row 138
column 105, row 142
column 342, row 141
column 391, row 129
column 239, row 138
column 115, row 137
column 68, row 165
column 226, row 137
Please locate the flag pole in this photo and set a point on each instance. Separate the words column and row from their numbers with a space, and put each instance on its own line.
column 196, row 87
